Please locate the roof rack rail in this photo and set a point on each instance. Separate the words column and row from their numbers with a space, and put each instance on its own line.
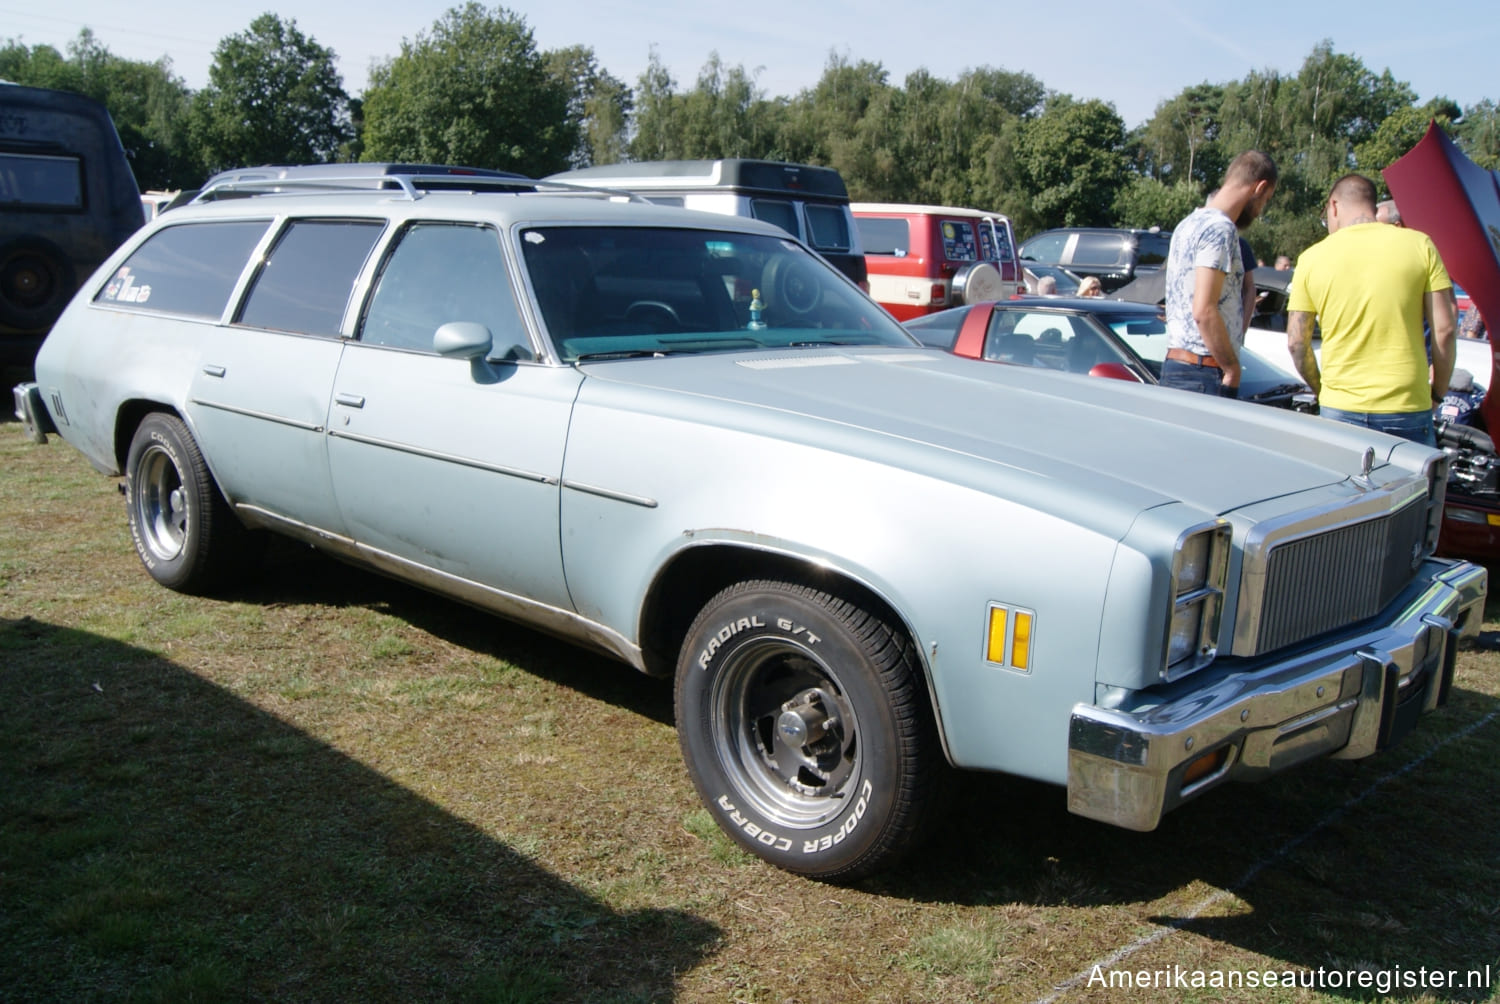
column 410, row 186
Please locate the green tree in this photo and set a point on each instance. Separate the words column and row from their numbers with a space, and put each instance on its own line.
column 1074, row 161
column 598, row 105
column 473, row 90
column 1401, row 131
column 841, row 121
column 1146, row 202
column 273, row 97
column 148, row 102
column 1478, row 134
column 1180, row 141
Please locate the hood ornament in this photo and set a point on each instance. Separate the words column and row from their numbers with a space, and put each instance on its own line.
column 1367, row 463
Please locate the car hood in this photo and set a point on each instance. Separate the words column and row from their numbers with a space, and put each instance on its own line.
column 1073, row 445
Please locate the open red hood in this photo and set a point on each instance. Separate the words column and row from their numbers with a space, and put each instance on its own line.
column 1457, row 203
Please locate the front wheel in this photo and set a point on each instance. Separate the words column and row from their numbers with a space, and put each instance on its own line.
column 804, row 727
column 181, row 526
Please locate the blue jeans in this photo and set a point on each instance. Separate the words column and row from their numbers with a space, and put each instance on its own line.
column 1200, row 379
column 1413, row 425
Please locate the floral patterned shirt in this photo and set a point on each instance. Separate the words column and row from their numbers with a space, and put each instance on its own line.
column 1205, row 239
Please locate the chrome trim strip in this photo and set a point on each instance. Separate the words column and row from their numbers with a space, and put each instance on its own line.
column 609, row 493
column 1270, row 533
column 553, row 620
column 449, row 458
column 262, row 415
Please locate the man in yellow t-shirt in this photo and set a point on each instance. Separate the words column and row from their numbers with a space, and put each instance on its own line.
column 1371, row 285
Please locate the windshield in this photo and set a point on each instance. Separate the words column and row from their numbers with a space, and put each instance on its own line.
column 630, row 291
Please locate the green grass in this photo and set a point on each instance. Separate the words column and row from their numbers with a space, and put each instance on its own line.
column 330, row 787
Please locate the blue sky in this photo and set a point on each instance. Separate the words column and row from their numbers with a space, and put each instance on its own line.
column 1132, row 55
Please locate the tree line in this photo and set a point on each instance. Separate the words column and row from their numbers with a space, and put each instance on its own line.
column 474, row 89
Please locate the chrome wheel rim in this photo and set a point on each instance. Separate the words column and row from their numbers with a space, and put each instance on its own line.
column 787, row 735
column 161, row 506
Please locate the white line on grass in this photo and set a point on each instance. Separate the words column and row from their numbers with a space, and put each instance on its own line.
column 1146, row 940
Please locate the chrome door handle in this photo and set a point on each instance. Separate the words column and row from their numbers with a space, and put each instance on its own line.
column 349, row 400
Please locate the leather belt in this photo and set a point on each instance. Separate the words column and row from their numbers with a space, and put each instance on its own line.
column 1192, row 358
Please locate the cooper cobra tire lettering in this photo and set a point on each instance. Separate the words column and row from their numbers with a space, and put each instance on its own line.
column 803, row 721
column 761, row 836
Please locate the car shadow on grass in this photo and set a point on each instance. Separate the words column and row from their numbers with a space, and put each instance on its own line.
column 1384, row 863
column 292, row 573
column 163, row 840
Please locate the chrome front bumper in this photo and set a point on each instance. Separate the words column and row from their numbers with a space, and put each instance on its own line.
column 32, row 413
column 1348, row 701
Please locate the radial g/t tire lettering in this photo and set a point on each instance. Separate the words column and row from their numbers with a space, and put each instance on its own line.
column 805, row 727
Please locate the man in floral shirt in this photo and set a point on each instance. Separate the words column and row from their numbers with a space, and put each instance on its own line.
column 1205, row 281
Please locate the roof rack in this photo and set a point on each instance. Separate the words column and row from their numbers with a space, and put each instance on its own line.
column 406, row 186
column 410, row 186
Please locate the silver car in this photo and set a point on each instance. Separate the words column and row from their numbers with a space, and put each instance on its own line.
column 686, row 441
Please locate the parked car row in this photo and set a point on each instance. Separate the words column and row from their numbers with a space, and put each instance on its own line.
column 688, row 441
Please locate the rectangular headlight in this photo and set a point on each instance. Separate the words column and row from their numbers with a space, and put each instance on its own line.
column 1200, row 566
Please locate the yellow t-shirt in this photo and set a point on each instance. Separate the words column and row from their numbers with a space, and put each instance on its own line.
column 1367, row 283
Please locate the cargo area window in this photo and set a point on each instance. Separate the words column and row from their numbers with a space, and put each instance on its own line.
column 189, row 269
column 884, row 236
column 783, row 214
column 828, row 227
column 34, row 181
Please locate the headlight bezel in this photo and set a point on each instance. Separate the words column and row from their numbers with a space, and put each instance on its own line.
column 1198, row 576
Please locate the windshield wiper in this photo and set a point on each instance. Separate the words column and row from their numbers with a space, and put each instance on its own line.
column 625, row 354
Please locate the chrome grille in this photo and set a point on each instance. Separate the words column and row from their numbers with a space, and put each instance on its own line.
column 1333, row 579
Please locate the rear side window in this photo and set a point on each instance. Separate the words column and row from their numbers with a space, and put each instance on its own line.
column 884, row 236
column 783, row 214
column 305, row 283
column 189, row 269
column 994, row 242
column 1153, row 250
column 1100, row 249
column 1045, row 247
column 958, row 240
column 436, row 273
column 828, row 227
column 30, row 181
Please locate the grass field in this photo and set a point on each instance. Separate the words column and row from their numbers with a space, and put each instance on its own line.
column 326, row 786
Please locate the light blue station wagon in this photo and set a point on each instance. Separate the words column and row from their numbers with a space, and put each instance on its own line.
column 686, row 441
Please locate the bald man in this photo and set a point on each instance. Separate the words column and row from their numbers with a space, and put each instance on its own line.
column 1370, row 286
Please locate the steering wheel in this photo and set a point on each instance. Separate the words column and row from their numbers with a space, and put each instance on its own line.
column 654, row 314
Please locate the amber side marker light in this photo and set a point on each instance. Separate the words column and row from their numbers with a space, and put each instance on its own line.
column 1009, row 641
column 1205, row 765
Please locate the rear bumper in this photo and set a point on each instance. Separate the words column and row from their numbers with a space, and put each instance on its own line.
column 1348, row 700
column 32, row 413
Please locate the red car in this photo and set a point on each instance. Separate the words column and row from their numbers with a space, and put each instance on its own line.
column 1090, row 335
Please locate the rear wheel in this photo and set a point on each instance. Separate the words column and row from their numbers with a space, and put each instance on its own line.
column 804, row 727
column 36, row 281
column 181, row 526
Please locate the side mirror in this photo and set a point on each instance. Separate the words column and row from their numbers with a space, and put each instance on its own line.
column 462, row 340
column 1113, row 371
